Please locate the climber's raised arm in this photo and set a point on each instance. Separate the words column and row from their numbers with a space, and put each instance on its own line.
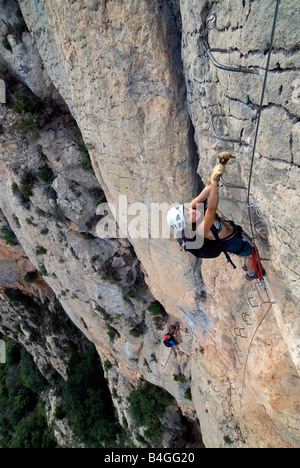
column 223, row 159
column 213, row 202
column 202, row 196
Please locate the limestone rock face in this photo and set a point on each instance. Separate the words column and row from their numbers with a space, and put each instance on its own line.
column 138, row 80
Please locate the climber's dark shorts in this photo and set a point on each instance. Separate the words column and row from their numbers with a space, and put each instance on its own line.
column 237, row 245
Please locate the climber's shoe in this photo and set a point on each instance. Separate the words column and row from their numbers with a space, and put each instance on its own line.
column 244, row 267
column 253, row 276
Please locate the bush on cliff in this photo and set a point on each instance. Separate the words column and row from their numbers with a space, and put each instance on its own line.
column 148, row 405
column 86, row 401
column 22, row 417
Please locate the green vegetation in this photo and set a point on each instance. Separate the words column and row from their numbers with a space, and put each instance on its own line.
column 31, row 277
column 98, row 196
column 227, row 440
column 86, row 164
column 42, row 270
column 40, row 250
column 29, row 374
column 30, row 108
column 86, row 401
column 112, row 332
column 45, row 174
column 22, row 417
column 180, row 378
column 148, row 404
column 137, row 331
column 26, row 184
column 16, row 221
column 30, row 222
column 8, row 236
column 156, row 309
column 88, row 236
column 27, row 126
column 24, row 104
column 188, row 394
column 14, row 189
column 6, row 45
column 109, row 273
column 159, row 315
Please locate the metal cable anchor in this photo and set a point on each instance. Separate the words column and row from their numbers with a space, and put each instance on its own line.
column 211, row 20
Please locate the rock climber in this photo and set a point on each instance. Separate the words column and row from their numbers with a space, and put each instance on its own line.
column 170, row 338
column 219, row 234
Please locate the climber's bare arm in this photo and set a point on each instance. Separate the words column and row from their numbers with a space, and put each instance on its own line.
column 202, row 196
column 210, row 214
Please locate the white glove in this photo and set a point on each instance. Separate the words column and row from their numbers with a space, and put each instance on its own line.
column 225, row 155
column 218, row 170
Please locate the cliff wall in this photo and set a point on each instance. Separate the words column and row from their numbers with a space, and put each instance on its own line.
column 137, row 78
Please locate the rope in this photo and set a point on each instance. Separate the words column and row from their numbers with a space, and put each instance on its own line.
column 250, row 344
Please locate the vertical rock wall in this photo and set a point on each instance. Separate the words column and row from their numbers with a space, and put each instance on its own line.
column 229, row 102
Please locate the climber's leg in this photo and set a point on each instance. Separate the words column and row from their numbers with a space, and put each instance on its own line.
column 251, row 271
column 249, row 264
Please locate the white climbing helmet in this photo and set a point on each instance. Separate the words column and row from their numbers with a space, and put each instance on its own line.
column 175, row 218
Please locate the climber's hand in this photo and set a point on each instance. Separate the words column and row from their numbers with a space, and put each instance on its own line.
column 224, row 157
column 218, row 170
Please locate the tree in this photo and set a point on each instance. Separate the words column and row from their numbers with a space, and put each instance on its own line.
column 148, row 403
column 29, row 374
column 87, row 402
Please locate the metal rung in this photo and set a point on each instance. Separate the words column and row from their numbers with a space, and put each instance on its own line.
column 252, row 305
column 224, row 138
column 242, row 187
column 232, row 140
column 228, row 68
